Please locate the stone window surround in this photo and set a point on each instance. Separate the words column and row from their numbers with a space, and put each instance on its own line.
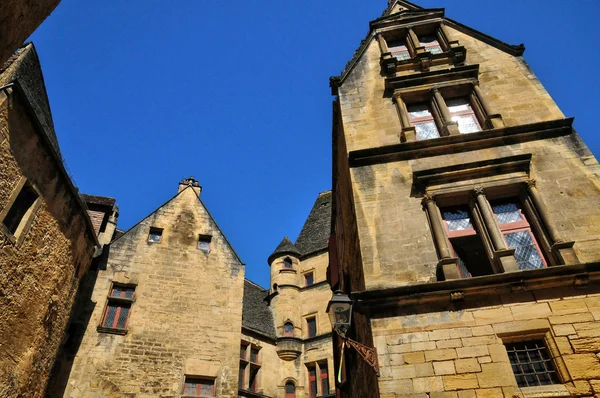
column 559, row 364
column 248, row 366
column 558, row 251
column 419, row 56
column 434, row 96
column 25, row 224
column 317, row 365
column 110, row 299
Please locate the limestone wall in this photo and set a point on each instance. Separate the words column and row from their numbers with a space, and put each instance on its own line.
column 38, row 278
column 186, row 318
column 459, row 351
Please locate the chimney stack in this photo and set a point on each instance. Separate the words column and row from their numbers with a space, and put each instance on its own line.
column 190, row 182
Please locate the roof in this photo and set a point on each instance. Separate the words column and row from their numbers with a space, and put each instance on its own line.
column 256, row 314
column 24, row 66
column 285, row 247
column 118, row 233
column 98, row 200
column 314, row 235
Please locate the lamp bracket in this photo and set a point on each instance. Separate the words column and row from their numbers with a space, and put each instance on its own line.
column 369, row 354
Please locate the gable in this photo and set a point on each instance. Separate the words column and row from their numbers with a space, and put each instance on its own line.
column 183, row 218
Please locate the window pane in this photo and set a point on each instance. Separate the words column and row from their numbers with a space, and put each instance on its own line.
column 290, row 388
column 190, row 388
column 324, row 386
column 309, row 279
column 526, row 252
column 431, row 44
column 426, row 131
column 458, row 105
column 287, row 263
column 204, row 245
column 241, row 376
column 312, row 327
column 507, row 212
column 418, row 110
column 254, row 355
column 288, row 328
column 206, row 389
column 457, row 219
column 122, row 292
column 466, row 124
column 243, row 351
column 122, row 321
column 155, row 235
column 398, row 50
column 110, row 316
column 531, row 363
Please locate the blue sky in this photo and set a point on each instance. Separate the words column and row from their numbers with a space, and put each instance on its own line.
column 236, row 93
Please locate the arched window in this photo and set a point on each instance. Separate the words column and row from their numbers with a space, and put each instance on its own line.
column 287, row 263
column 288, row 329
column 290, row 390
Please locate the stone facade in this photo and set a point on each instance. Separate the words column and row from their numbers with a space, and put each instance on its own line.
column 18, row 20
column 46, row 237
column 191, row 315
column 443, row 302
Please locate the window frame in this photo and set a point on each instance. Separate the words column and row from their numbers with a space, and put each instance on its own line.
column 155, row 231
column 287, row 261
column 18, row 236
column 310, row 274
column 312, row 381
column 312, row 318
column 249, row 367
column 198, row 380
column 286, row 333
column 120, row 302
column 202, row 238
column 323, row 377
column 286, row 393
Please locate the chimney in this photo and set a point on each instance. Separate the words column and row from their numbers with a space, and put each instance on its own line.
column 190, row 182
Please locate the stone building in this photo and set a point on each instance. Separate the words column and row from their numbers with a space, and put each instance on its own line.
column 466, row 219
column 166, row 311
column 18, row 20
column 47, row 239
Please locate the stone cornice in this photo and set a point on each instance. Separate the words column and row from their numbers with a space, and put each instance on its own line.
column 379, row 300
column 461, row 143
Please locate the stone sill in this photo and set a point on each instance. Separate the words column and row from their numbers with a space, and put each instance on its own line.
column 556, row 276
column 460, row 143
column 553, row 390
column 121, row 332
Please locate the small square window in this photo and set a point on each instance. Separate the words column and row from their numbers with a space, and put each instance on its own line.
column 204, row 243
column 199, row 387
column 531, row 363
column 155, row 235
column 309, row 278
column 118, row 307
column 311, row 324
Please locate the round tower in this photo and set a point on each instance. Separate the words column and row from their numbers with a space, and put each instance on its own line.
column 285, row 287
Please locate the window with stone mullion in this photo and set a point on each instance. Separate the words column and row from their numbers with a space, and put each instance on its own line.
column 421, row 117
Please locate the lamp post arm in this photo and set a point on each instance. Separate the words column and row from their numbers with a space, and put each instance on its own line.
column 369, row 354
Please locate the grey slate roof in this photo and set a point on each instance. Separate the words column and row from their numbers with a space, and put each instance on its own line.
column 24, row 67
column 285, row 247
column 314, row 235
column 256, row 314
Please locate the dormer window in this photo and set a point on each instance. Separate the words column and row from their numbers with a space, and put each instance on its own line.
column 430, row 44
column 418, row 46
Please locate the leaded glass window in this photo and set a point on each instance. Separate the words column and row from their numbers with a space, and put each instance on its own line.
column 462, row 113
column 398, row 49
column 457, row 219
column 197, row 387
column 431, row 44
column 422, row 119
column 526, row 253
column 288, row 329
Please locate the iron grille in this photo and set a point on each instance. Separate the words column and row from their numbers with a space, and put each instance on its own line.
column 531, row 363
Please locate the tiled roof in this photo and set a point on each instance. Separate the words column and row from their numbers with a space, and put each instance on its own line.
column 285, row 247
column 24, row 67
column 98, row 200
column 317, row 228
column 256, row 314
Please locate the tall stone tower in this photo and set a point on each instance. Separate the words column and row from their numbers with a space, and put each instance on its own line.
column 466, row 219
column 299, row 296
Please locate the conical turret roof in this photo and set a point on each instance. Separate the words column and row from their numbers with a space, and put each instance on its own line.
column 285, row 247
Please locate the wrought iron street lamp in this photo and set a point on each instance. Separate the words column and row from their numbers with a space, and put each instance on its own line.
column 339, row 310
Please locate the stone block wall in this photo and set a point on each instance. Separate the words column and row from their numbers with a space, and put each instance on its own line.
column 186, row 318
column 39, row 274
column 460, row 352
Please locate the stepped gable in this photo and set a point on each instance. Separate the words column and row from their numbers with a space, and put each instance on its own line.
column 256, row 314
column 314, row 235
